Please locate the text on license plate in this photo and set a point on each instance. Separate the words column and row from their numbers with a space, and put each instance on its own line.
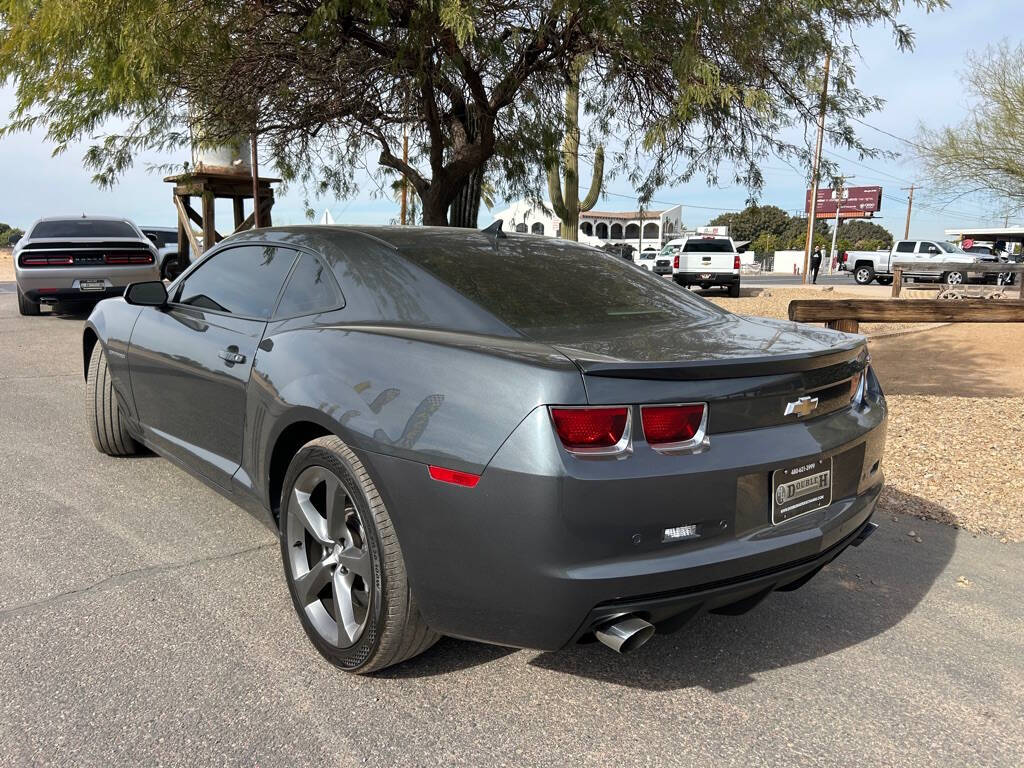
column 799, row 490
column 91, row 285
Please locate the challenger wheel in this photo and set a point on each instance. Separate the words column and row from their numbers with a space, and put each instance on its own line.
column 343, row 562
column 26, row 306
column 106, row 424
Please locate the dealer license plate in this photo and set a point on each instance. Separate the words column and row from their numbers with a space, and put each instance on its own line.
column 799, row 490
column 91, row 285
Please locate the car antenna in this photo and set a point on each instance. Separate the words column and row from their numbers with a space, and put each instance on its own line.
column 495, row 228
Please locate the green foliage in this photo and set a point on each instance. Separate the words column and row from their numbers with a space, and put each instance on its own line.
column 6, row 231
column 325, row 83
column 857, row 231
column 753, row 221
column 985, row 153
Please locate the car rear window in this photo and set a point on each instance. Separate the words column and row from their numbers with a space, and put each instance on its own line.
column 83, row 228
column 709, row 245
column 548, row 284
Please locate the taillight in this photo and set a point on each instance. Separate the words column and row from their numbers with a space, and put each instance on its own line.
column 675, row 262
column 454, row 476
column 736, row 261
column 128, row 258
column 43, row 260
column 675, row 426
column 592, row 430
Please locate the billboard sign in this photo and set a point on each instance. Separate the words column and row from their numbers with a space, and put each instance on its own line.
column 854, row 202
column 718, row 231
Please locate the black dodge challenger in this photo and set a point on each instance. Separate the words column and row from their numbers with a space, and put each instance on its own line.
column 507, row 438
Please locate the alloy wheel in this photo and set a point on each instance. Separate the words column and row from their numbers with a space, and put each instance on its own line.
column 863, row 276
column 954, row 278
column 329, row 557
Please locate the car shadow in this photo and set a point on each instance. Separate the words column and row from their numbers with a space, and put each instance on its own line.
column 866, row 591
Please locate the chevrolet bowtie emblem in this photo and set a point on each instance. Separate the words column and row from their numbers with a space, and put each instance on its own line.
column 802, row 407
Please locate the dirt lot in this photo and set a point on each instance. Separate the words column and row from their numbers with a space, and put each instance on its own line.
column 6, row 265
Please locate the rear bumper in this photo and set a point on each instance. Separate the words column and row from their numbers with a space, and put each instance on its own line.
column 64, row 282
column 545, row 545
column 706, row 279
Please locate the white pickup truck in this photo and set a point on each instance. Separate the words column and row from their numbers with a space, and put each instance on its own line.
column 704, row 260
column 919, row 254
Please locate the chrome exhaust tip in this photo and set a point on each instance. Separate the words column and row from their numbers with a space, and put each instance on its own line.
column 625, row 634
column 863, row 535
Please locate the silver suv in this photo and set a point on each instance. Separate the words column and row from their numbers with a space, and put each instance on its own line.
column 65, row 260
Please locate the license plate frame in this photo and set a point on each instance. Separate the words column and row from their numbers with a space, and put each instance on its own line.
column 91, row 285
column 800, row 490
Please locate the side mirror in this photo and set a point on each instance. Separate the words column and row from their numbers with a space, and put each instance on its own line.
column 932, row 250
column 150, row 294
column 12, row 239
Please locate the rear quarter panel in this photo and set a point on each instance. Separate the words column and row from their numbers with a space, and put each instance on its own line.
column 433, row 397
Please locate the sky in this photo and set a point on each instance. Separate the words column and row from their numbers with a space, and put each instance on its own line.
column 920, row 86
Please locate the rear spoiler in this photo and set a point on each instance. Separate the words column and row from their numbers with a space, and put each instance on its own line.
column 855, row 353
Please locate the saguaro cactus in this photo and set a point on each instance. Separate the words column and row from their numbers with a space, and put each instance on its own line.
column 567, row 205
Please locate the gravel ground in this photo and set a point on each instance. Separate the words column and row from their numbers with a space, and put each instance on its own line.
column 972, row 478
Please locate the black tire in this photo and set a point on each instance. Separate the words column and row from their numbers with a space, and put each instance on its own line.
column 884, row 280
column 734, row 291
column 393, row 629
column 106, row 424
column 863, row 274
column 955, row 278
column 26, row 306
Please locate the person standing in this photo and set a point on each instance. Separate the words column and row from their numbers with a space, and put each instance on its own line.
column 815, row 264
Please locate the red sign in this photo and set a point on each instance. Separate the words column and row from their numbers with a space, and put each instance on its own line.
column 967, row 244
column 861, row 201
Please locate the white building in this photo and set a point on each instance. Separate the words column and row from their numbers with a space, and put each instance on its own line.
column 597, row 228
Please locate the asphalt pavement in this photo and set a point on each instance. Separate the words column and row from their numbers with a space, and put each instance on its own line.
column 145, row 621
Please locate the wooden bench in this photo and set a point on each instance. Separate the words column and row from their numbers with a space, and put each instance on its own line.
column 848, row 314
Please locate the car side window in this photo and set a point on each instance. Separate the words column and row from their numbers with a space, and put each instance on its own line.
column 245, row 281
column 310, row 289
column 905, row 246
column 926, row 247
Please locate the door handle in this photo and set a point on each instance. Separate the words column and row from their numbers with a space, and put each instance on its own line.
column 231, row 355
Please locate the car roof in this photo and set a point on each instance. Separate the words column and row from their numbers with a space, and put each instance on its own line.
column 71, row 217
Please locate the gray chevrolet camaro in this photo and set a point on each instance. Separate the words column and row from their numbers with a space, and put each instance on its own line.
column 506, row 438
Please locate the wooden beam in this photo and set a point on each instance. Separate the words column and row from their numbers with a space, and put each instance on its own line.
column 980, row 267
column 183, row 222
column 209, row 231
column 247, row 224
column 237, row 204
column 897, row 281
column 907, row 311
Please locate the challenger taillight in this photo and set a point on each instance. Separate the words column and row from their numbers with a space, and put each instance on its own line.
column 675, row 425
column 29, row 259
column 736, row 261
column 675, row 262
column 592, row 430
column 128, row 258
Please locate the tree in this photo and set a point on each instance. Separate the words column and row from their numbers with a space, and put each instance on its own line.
column 753, row 221
column 858, row 230
column 7, row 231
column 479, row 84
column 985, row 153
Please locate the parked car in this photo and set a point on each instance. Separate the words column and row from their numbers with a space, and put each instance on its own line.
column 921, row 254
column 166, row 241
column 69, row 261
column 705, row 260
column 452, row 438
column 991, row 254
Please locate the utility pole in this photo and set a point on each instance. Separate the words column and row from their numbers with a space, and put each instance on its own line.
column 816, row 170
column 835, row 229
column 910, row 205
